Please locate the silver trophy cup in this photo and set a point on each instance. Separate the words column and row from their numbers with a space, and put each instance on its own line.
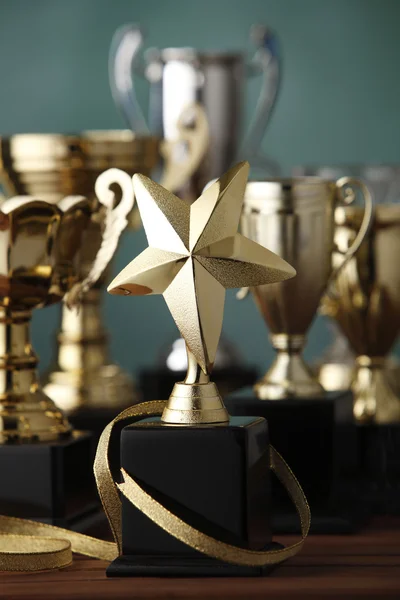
column 187, row 85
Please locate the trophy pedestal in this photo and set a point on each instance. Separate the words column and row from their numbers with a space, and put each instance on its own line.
column 158, row 383
column 215, row 477
column 379, row 451
column 50, row 482
column 319, row 442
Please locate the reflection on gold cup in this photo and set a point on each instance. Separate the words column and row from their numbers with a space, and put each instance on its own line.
column 43, row 257
column 295, row 219
column 366, row 306
column 51, row 166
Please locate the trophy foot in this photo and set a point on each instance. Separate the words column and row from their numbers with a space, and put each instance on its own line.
column 268, row 390
column 103, row 388
column 31, row 418
column 195, row 403
column 375, row 401
column 289, row 376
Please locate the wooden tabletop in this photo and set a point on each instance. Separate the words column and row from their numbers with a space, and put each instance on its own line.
column 365, row 565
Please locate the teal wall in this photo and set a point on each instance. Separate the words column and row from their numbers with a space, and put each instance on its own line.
column 340, row 102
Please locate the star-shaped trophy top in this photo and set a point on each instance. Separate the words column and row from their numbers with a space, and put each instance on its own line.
column 195, row 253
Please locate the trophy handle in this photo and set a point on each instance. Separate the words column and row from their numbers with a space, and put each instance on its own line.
column 123, row 60
column 265, row 62
column 183, row 156
column 115, row 222
column 345, row 186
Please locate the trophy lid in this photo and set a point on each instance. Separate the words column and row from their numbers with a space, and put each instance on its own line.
column 52, row 165
column 382, row 178
column 281, row 193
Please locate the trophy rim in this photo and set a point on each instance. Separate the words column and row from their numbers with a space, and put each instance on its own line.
column 351, row 166
column 190, row 53
column 289, row 182
column 104, row 135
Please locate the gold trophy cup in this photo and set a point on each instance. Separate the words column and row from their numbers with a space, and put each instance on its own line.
column 49, row 251
column 365, row 303
column 295, row 219
column 45, row 249
column 51, row 166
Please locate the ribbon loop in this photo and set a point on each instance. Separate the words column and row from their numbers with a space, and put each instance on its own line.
column 32, row 546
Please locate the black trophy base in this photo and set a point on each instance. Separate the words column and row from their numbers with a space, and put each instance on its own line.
column 158, row 382
column 182, row 566
column 379, row 452
column 318, row 441
column 50, row 482
column 214, row 477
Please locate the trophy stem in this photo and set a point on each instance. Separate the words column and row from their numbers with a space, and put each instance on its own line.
column 289, row 376
column 374, row 399
column 26, row 413
column 196, row 400
column 84, row 376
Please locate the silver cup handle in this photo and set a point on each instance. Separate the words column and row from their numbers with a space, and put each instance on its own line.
column 265, row 62
column 345, row 186
column 124, row 59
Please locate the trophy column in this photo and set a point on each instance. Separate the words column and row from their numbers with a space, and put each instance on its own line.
column 87, row 386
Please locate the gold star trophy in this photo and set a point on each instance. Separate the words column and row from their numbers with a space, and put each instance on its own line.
column 197, row 462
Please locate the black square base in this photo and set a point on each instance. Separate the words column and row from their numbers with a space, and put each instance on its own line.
column 379, row 466
column 50, row 482
column 158, row 382
column 182, row 566
column 319, row 442
column 215, row 477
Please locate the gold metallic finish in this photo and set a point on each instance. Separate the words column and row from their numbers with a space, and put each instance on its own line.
column 366, row 305
column 194, row 254
column 295, row 219
column 26, row 553
column 183, row 155
column 44, row 257
column 33, row 546
column 51, row 166
column 40, row 244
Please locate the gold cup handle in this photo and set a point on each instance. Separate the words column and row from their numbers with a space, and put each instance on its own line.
column 115, row 222
column 345, row 186
column 183, row 156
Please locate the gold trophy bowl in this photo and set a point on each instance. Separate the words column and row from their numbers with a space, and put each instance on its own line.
column 365, row 303
column 294, row 218
column 42, row 246
column 51, row 166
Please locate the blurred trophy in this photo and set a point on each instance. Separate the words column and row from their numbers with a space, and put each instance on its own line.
column 366, row 305
column 191, row 90
column 50, row 167
column 336, row 367
column 295, row 219
column 196, row 106
column 49, row 251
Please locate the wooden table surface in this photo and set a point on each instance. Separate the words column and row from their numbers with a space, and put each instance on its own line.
column 365, row 565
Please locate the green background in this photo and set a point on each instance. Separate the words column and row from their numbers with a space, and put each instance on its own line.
column 339, row 102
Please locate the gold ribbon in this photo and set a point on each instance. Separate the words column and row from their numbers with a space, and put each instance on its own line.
column 33, row 546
